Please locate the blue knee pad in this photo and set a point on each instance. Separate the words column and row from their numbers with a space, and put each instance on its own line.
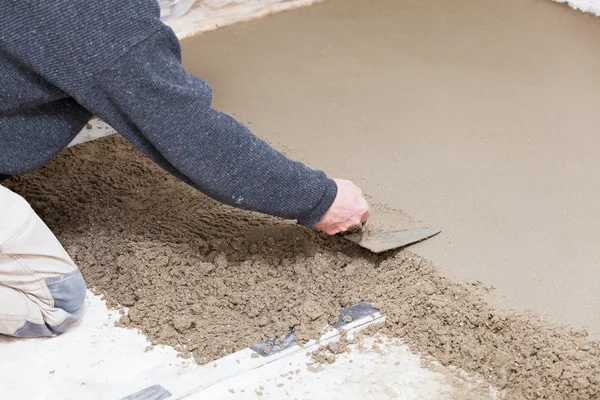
column 68, row 291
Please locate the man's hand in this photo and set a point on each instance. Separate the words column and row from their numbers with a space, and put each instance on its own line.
column 348, row 209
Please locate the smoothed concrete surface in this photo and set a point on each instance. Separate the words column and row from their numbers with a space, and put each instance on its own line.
column 480, row 117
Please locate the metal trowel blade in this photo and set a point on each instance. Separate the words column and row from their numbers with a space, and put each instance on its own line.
column 384, row 241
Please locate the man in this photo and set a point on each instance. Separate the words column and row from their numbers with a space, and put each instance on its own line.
column 61, row 63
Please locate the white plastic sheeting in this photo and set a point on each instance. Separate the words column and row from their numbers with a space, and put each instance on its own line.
column 211, row 14
column 590, row 6
column 96, row 360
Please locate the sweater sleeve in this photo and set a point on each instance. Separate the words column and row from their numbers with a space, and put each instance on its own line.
column 148, row 97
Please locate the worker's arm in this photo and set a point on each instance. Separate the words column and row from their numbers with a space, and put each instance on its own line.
column 148, row 97
column 118, row 61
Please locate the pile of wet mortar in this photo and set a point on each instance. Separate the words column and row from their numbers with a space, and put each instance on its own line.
column 211, row 280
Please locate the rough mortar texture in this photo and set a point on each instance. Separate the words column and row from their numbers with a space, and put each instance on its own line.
column 211, row 280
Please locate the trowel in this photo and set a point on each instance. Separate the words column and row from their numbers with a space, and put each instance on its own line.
column 378, row 242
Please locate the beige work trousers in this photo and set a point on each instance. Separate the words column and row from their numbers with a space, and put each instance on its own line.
column 41, row 290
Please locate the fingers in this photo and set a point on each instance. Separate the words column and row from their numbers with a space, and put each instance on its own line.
column 355, row 217
column 348, row 210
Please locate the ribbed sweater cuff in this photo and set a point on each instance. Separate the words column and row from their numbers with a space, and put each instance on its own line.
column 321, row 208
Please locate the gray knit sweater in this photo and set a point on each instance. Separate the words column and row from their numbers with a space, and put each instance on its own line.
column 63, row 61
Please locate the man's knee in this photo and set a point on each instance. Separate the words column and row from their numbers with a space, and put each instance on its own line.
column 68, row 291
column 40, row 268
